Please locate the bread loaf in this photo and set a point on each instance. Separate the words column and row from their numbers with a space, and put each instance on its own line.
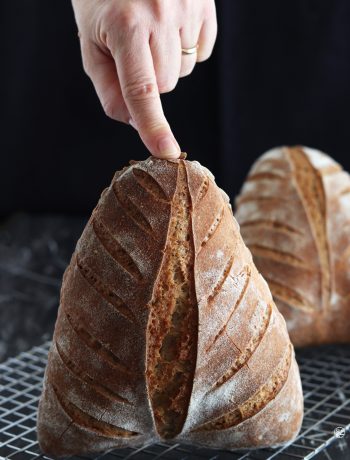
column 165, row 329
column 294, row 215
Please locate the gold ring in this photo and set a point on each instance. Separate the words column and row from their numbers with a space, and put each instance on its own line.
column 192, row 50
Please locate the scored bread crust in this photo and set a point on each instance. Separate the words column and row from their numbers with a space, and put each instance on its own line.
column 294, row 215
column 165, row 330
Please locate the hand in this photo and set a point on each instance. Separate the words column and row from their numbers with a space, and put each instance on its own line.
column 131, row 50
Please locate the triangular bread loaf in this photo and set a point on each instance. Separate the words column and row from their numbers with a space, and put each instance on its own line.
column 165, row 330
column 294, row 215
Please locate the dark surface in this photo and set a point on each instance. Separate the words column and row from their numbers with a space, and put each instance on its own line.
column 34, row 251
column 327, row 410
column 339, row 450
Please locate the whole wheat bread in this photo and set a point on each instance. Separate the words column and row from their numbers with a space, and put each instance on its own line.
column 165, row 329
column 294, row 215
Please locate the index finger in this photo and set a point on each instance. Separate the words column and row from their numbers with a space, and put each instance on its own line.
column 140, row 91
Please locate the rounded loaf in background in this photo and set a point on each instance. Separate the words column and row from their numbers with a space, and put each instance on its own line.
column 294, row 215
column 165, row 329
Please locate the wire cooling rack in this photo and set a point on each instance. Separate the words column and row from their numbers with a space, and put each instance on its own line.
column 326, row 381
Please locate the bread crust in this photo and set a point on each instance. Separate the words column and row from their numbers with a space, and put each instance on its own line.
column 294, row 215
column 161, row 279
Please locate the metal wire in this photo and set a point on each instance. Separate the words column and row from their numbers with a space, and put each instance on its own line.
column 325, row 375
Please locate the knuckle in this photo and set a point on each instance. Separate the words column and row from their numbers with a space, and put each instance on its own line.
column 125, row 19
column 86, row 59
column 87, row 66
column 120, row 20
column 159, row 8
column 141, row 90
column 109, row 109
column 113, row 112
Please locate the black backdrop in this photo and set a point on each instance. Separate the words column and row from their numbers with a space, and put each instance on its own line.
column 280, row 74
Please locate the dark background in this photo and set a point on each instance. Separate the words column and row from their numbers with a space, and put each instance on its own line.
column 280, row 74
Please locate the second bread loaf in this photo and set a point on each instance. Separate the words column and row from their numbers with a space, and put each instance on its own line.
column 294, row 214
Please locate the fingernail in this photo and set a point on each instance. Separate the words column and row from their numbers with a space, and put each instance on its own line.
column 168, row 148
column 132, row 123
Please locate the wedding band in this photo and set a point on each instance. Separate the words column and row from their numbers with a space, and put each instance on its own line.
column 192, row 50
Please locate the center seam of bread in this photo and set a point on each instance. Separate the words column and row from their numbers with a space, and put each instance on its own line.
column 173, row 321
column 310, row 187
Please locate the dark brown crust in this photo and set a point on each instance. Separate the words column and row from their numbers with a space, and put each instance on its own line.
column 101, row 351
column 161, row 312
column 83, row 419
column 113, row 247
column 131, row 209
column 104, row 290
column 87, row 379
column 150, row 184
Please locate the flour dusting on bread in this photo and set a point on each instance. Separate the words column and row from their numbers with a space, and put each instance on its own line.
column 166, row 330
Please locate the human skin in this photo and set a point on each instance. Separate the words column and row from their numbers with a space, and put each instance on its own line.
column 132, row 52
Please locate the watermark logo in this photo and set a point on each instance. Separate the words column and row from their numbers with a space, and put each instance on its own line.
column 339, row 432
